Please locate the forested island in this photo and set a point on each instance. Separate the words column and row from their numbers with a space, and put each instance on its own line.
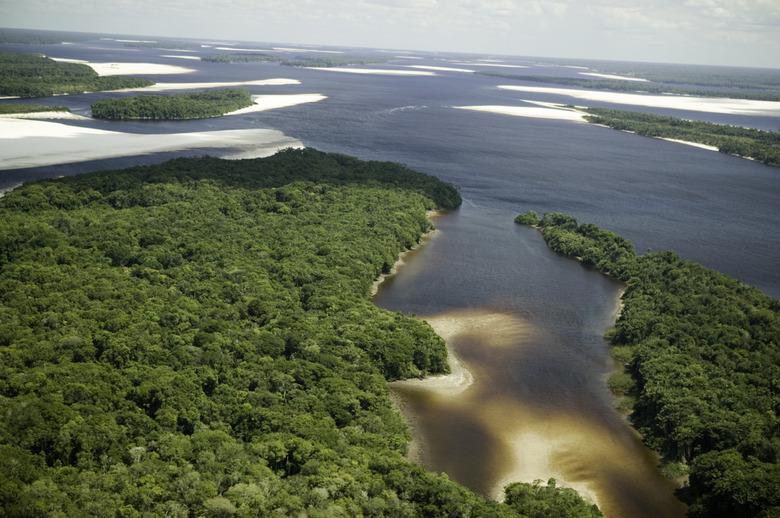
column 195, row 339
column 618, row 85
column 760, row 145
column 201, row 105
column 702, row 368
column 34, row 75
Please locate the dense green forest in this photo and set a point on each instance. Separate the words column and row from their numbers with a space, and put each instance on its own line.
column 195, row 339
column 8, row 108
column 701, row 352
column 635, row 86
column 33, row 75
column 332, row 61
column 210, row 103
column 760, row 145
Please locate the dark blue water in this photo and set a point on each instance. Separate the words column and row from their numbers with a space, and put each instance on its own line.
column 541, row 360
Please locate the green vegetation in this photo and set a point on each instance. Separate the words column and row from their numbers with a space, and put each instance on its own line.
column 544, row 501
column 702, row 352
column 8, row 108
column 635, row 86
column 195, row 339
column 247, row 57
column 33, row 75
column 211, row 103
column 760, row 145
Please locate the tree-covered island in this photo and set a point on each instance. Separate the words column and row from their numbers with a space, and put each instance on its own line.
column 201, row 105
column 34, row 75
column 195, row 339
column 702, row 357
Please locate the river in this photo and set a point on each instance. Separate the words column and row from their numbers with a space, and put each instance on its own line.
column 526, row 323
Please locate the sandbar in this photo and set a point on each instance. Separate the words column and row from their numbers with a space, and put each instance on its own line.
column 43, row 115
column 609, row 76
column 194, row 58
column 380, row 71
column 162, row 87
column 34, row 143
column 130, row 69
column 677, row 102
column 443, row 69
column 541, row 111
column 271, row 102
column 499, row 65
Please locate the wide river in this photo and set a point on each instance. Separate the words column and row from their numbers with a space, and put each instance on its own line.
column 528, row 400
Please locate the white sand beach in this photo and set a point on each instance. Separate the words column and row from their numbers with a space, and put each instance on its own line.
column 609, row 76
column 129, row 69
column 497, row 65
column 164, row 87
column 442, row 69
column 43, row 115
column 678, row 102
column 34, row 143
column 540, row 111
column 380, row 71
column 175, row 56
column 271, row 102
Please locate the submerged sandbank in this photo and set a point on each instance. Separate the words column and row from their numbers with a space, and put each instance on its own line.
column 677, row 102
column 35, row 143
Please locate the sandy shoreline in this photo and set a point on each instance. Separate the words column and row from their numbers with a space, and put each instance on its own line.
column 677, row 102
column 540, row 111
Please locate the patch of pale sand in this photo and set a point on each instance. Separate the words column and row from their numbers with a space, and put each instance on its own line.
column 545, row 111
column 195, row 58
column 498, row 65
column 694, row 144
column 163, row 87
column 129, row 69
column 44, row 115
column 380, row 71
column 271, row 102
column 34, row 143
column 609, row 76
column 407, row 57
column 442, row 69
column 677, row 102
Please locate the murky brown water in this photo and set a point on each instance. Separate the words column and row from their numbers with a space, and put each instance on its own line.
column 527, row 398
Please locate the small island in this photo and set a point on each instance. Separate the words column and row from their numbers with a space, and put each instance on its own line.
column 701, row 368
column 34, row 75
column 202, row 105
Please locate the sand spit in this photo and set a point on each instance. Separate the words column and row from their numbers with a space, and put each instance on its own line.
column 164, row 87
column 195, row 58
column 130, row 69
column 42, row 115
column 442, row 69
column 35, row 143
column 541, row 111
column 271, row 102
column 498, row 65
column 677, row 102
column 694, row 144
column 609, row 76
column 379, row 71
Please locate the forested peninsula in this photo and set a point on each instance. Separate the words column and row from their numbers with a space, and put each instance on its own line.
column 702, row 368
column 195, row 339
column 34, row 75
column 760, row 145
column 299, row 61
column 201, row 105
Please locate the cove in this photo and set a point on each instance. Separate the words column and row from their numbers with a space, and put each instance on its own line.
column 527, row 398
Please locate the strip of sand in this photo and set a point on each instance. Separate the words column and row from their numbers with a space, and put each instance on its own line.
column 541, row 111
column 442, row 69
column 379, row 71
column 271, row 102
column 609, row 76
column 43, row 115
column 34, row 143
column 677, row 102
column 164, row 87
column 130, row 69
